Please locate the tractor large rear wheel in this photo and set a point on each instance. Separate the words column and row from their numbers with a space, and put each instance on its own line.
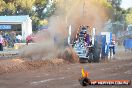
column 96, row 52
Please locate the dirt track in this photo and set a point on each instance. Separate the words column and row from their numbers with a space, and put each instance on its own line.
column 67, row 75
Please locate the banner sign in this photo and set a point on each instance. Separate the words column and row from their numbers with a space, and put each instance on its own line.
column 5, row 27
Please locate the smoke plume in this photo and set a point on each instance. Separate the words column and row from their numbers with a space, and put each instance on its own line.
column 68, row 12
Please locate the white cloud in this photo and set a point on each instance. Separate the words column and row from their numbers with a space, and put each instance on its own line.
column 126, row 4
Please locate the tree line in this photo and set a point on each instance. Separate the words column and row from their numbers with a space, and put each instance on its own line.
column 33, row 8
column 36, row 10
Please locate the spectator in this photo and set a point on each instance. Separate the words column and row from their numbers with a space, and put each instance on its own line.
column 18, row 39
column 1, row 43
column 7, row 38
column 28, row 39
column 112, row 46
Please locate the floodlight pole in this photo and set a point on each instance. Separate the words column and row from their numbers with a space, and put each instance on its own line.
column 84, row 8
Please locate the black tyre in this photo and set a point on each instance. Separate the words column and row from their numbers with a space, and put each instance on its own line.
column 97, row 52
column 90, row 57
column 96, row 55
column 84, row 81
column 83, row 60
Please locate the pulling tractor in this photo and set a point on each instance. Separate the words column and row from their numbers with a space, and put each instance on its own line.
column 86, row 46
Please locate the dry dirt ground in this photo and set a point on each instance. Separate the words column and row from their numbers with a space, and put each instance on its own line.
column 65, row 75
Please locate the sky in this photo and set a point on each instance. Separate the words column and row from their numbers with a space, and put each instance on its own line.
column 126, row 4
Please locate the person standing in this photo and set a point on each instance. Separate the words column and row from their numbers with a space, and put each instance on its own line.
column 113, row 43
column 28, row 39
column 18, row 39
column 1, row 43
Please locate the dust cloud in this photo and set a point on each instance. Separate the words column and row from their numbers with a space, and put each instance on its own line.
column 51, row 42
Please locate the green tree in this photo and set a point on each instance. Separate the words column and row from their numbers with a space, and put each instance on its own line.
column 2, row 5
column 10, row 8
column 50, row 10
column 40, row 5
column 117, row 10
column 106, row 6
column 116, row 3
column 33, row 8
column 24, row 6
column 129, row 10
column 128, row 16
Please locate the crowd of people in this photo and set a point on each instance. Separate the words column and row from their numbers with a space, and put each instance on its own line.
column 8, row 39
